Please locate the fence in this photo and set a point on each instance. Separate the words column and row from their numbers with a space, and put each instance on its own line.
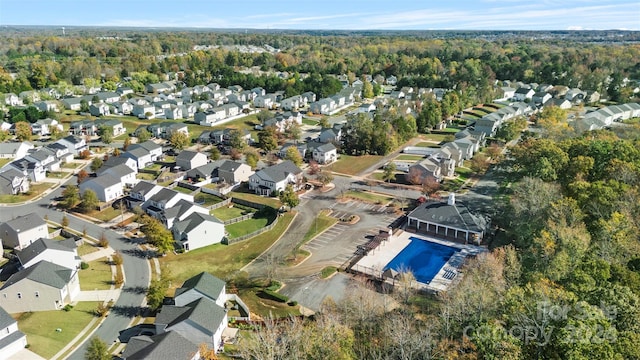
column 248, row 203
column 236, row 298
column 191, row 187
column 228, row 241
column 224, row 202
column 239, row 218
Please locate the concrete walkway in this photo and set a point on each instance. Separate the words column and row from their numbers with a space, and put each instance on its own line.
column 98, row 295
column 97, row 254
column 26, row 354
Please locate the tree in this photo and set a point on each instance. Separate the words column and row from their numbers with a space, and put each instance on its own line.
column 324, row 177
column 430, row 186
column 84, row 154
column 479, row 163
column 157, row 234
column 55, row 133
column 235, row 154
column 268, row 139
column 324, row 122
column 143, row 135
column 389, row 172
column 293, row 131
column 127, row 142
column 179, row 140
column 214, row 153
column 89, row 201
column 65, row 221
column 82, row 175
column 70, row 197
column 289, row 197
column 97, row 350
column 156, row 293
column 23, row 131
column 84, row 106
column 236, row 139
column 367, row 90
column 251, row 158
column 293, row 154
column 96, row 164
column 106, row 134
column 264, row 115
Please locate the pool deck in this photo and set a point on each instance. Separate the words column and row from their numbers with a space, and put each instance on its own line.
column 375, row 261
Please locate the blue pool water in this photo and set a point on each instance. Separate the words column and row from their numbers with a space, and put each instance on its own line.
column 423, row 258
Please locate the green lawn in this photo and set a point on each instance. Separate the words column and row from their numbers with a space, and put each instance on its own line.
column 206, row 199
column 145, row 176
column 266, row 307
column 35, row 190
column 105, row 215
column 226, row 213
column 408, row 157
column 4, row 162
column 309, row 122
column 368, row 197
column 41, row 326
column 399, row 179
column 222, row 260
column 352, row 165
column 427, row 144
column 183, row 190
column 71, row 165
column 435, row 137
column 97, row 276
column 154, row 167
column 328, row 271
column 85, row 249
column 269, row 201
column 248, row 226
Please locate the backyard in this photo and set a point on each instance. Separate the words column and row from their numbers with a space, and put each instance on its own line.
column 41, row 326
column 204, row 199
column 35, row 190
column 269, row 201
column 262, row 218
column 97, row 276
column 226, row 213
column 352, row 165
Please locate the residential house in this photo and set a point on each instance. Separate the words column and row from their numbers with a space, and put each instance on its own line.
column 325, row 154
column 32, row 95
column 302, row 149
column 258, row 91
column 42, row 287
column 15, row 150
column 188, row 160
column 44, row 126
column 30, row 167
column 144, row 111
column 72, row 103
column 523, row 94
column 74, row 144
column 561, row 103
column 232, row 172
column 12, row 99
column 203, row 285
column 164, row 199
column 210, row 117
column 124, row 90
column 293, row 103
column 204, row 172
column 508, row 92
column 141, row 192
column 100, row 109
column 165, row 346
column 120, row 160
column 323, row 106
column 173, row 112
column 122, row 107
column 392, row 80
column 447, row 220
column 541, row 97
column 116, row 126
column 575, row 95
column 197, row 230
column 13, row 182
column 12, row 340
column 140, row 155
column 154, row 150
column 44, row 157
column 107, row 187
column 592, row 97
column 163, row 87
column 18, row 233
column 61, row 152
column 63, row 253
column 366, row 108
column 266, row 101
column 179, row 211
column 83, row 127
column 48, row 105
column 108, row 97
column 275, row 178
column 308, row 97
column 419, row 172
column 123, row 172
column 332, row 135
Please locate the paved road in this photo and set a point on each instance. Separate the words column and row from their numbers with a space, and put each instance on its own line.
column 135, row 265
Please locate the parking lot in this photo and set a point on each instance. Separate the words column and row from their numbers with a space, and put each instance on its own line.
column 338, row 243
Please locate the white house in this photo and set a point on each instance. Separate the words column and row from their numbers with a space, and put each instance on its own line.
column 197, row 230
column 44, row 126
column 41, row 287
column 276, row 178
column 123, row 172
column 63, row 253
column 523, row 94
column 18, row 233
column 14, row 150
column 74, row 144
column 325, row 153
column 107, row 187
column 188, row 160
column 12, row 340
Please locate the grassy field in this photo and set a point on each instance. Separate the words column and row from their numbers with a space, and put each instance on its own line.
column 41, row 326
column 427, row 144
column 85, row 249
column 35, row 190
column 227, row 213
column 105, row 215
column 145, row 176
column 407, row 157
column 269, row 201
column 71, row 165
column 183, row 190
column 311, row 122
column 206, row 199
column 221, row 260
column 438, row 138
column 399, row 179
column 320, row 224
column 368, row 197
column 266, row 307
column 248, row 226
column 352, row 165
column 97, row 276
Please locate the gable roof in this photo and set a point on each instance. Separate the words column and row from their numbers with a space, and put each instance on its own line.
column 193, row 220
column 279, row 171
column 119, row 171
column 43, row 272
column 41, row 245
column 230, row 165
column 143, row 187
column 5, row 319
column 187, row 155
column 26, row 222
column 168, row 345
column 203, row 283
column 104, row 181
column 204, row 313
column 454, row 216
column 147, row 145
column 324, row 148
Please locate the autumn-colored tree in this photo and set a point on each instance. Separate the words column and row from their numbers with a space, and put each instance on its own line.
column 23, row 131
column 179, row 140
column 430, row 186
column 293, row 154
column 82, row 175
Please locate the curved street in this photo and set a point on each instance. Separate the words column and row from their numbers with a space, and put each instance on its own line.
column 135, row 265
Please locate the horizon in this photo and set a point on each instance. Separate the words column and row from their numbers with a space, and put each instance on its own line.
column 374, row 15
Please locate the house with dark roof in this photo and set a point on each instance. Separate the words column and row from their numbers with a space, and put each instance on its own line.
column 166, row 346
column 120, row 160
column 275, row 178
column 31, row 167
column 107, row 187
column 12, row 340
column 41, row 287
column 141, row 192
column 188, row 160
column 204, row 172
column 18, row 233
column 123, row 172
column 74, row 144
column 233, row 172
column 447, row 220
column 13, row 182
column 63, row 253
column 197, row 230
column 179, row 211
column 162, row 200
column 203, row 285
column 325, row 153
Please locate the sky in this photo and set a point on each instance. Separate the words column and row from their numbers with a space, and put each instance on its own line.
column 330, row 14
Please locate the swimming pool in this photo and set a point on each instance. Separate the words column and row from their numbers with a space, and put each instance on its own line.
column 424, row 258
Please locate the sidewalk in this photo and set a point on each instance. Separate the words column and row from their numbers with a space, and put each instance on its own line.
column 97, row 254
column 98, row 295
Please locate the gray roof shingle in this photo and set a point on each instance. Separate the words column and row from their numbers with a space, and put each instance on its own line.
column 43, row 272
column 204, row 283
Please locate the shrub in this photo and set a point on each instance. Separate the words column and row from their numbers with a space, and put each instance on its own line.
column 103, row 242
column 119, row 279
column 275, row 285
column 102, row 310
column 117, row 259
column 84, row 265
column 292, row 303
column 67, row 307
column 272, row 295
